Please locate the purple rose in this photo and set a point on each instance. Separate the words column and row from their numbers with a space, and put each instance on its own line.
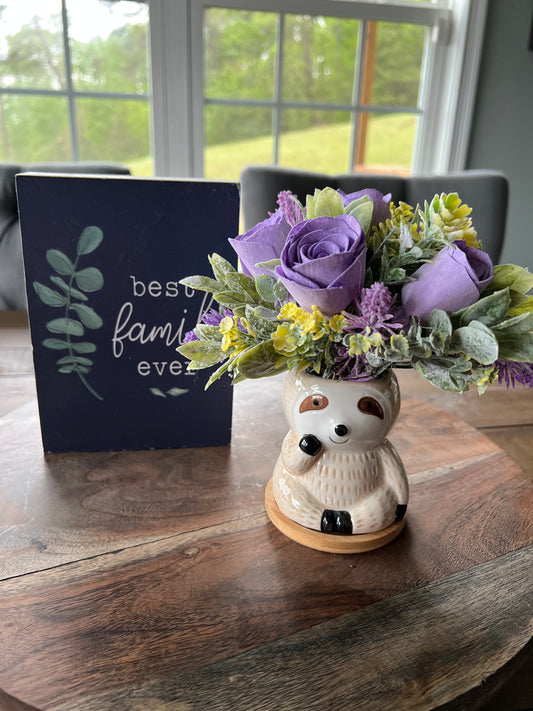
column 453, row 280
column 262, row 243
column 323, row 263
column 380, row 202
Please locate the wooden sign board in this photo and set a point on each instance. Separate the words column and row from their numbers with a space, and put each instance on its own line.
column 103, row 259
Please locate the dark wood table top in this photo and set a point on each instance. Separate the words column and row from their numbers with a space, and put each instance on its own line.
column 154, row 580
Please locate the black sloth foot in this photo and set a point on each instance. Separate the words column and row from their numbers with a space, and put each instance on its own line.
column 400, row 511
column 336, row 522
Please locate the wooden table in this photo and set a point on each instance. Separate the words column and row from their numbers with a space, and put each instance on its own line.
column 154, row 581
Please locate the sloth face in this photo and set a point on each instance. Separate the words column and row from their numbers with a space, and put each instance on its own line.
column 344, row 416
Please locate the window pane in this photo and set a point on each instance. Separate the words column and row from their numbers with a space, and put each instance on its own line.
column 393, row 61
column 388, row 143
column 108, row 45
column 323, row 147
column 31, row 45
column 34, row 129
column 249, row 140
column 116, row 130
column 319, row 59
column 240, row 54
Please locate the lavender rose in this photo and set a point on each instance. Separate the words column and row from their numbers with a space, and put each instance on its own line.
column 453, row 280
column 323, row 263
column 380, row 203
column 262, row 243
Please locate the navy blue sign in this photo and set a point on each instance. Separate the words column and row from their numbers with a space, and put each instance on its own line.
column 103, row 259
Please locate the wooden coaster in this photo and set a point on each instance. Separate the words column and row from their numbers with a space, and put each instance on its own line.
column 328, row 542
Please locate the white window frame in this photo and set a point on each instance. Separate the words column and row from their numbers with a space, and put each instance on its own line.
column 446, row 100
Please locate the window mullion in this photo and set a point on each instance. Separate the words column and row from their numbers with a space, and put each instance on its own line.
column 69, row 85
column 276, row 112
column 358, row 69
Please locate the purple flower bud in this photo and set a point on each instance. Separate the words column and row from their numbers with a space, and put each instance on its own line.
column 323, row 263
column 453, row 280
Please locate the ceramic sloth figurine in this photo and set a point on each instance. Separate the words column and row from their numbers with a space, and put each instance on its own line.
column 337, row 472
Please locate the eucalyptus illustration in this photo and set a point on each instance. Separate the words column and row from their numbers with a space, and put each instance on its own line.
column 173, row 392
column 73, row 284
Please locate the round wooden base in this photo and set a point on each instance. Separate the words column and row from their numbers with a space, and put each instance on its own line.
column 330, row 543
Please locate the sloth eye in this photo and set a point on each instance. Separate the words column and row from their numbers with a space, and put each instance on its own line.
column 314, row 402
column 370, row 406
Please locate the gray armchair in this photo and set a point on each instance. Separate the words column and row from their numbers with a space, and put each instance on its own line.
column 486, row 192
column 12, row 289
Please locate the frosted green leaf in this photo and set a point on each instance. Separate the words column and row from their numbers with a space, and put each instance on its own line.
column 203, row 353
column 516, row 347
column 88, row 316
column 271, row 264
column 476, row 341
column 66, row 325
column 243, row 284
column 264, row 285
column 516, row 325
column 208, row 333
column 90, row 279
column 220, row 266
column 202, row 283
column 324, row 203
column 89, row 240
column 438, row 320
column 59, row 262
column 259, row 361
column 488, row 310
column 48, row 296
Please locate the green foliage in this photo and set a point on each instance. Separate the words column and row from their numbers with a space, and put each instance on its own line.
column 78, row 315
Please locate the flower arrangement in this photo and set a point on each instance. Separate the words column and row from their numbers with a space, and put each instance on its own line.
column 348, row 286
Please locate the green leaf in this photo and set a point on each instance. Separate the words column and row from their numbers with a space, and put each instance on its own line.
column 75, row 360
column 176, row 392
column 74, row 368
column 259, row 361
column 488, row 310
column 361, row 209
column 264, row 285
column 204, row 353
column 88, row 316
column 90, row 279
column 280, row 292
column 219, row 372
column 519, row 348
column 271, row 264
column 220, row 266
column 438, row 320
column 66, row 325
column 513, row 276
column 83, row 347
column 476, row 341
column 59, row 262
column 231, row 299
column 243, row 284
column 206, row 332
column 324, row 203
column 68, row 289
column 441, row 373
column 49, row 296
column 202, row 283
column 55, row 344
column 515, row 325
column 89, row 240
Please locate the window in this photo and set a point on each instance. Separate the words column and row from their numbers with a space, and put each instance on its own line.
column 331, row 85
column 74, row 82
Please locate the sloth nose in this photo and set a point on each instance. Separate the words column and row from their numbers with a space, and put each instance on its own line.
column 341, row 430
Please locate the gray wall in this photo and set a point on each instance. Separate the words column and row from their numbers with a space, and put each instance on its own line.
column 502, row 129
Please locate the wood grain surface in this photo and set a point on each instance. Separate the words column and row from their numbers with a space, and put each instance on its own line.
column 155, row 581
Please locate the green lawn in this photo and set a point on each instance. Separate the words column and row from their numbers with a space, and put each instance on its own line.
column 324, row 149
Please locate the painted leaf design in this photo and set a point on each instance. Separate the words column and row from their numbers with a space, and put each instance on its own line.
column 55, row 343
column 66, row 325
column 68, row 289
column 88, row 316
column 74, row 360
column 158, row 392
column 83, row 347
column 89, row 240
column 175, row 392
column 90, row 279
column 59, row 262
column 48, row 296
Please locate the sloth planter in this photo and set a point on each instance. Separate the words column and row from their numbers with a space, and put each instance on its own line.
column 339, row 485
